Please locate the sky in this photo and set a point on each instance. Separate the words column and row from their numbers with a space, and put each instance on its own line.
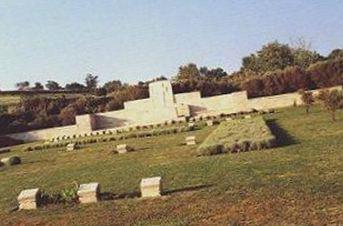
column 137, row 40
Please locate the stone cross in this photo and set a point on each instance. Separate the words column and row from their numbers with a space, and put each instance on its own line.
column 151, row 187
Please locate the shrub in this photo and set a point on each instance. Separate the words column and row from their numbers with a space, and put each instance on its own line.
column 14, row 160
column 69, row 194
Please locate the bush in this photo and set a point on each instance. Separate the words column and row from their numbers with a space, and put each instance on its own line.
column 14, row 160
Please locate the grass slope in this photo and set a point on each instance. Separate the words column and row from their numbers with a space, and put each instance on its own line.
column 245, row 134
column 300, row 182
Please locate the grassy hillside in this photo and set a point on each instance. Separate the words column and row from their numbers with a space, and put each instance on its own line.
column 14, row 99
column 299, row 182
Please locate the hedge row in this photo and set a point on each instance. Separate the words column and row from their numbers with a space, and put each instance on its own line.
column 238, row 135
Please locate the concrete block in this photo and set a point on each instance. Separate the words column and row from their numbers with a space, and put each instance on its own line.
column 229, row 119
column 89, row 193
column 122, row 148
column 247, row 116
column 190, row 140
column 29, row 199
column 191, row 124
column 151, row 187
column 71, row 147
column 209, row 123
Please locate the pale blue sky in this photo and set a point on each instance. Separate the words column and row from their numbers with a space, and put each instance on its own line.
column 62, row 40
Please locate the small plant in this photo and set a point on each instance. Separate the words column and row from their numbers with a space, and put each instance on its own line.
column 69, row 195
column 332, row 100
column 307, row 98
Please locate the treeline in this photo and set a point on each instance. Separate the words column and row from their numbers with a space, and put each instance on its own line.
column 275, row 69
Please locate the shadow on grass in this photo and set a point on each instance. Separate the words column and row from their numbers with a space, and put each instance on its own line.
column 191, row 188
column 283, row 138
column 106, row 196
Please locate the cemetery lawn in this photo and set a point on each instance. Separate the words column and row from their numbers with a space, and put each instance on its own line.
column 299, row 182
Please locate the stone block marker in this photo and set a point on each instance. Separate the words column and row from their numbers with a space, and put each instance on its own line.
column 122, row 148
column 229, row 119
column 190, row 140
column 5, row 160
column 151, row 187
column 191, row 124
column 209, row 123
column 247, row 116
column 29, row 199
column 89, row 193
column 71, row 147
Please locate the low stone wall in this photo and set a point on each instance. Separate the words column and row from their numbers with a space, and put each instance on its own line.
column 45, row 133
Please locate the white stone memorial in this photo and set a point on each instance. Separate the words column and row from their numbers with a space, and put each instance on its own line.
column 89, row 193
column 29, row 199
column 122, row 148
column 190, row 140
column 151, row 187
column 71, row 147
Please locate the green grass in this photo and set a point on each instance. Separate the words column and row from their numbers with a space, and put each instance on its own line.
column 300, row 182
column 238, row 135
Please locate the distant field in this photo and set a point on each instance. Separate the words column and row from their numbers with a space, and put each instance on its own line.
column 300, row 182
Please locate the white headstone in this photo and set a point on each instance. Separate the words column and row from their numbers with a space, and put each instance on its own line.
column 190, row 140
column 151, row 187
column 71, row 147
column 88, row 193
column 209, row 123
column 29, row 199
column 122, row 148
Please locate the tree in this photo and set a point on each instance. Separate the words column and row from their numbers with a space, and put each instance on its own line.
column 23, row 85
column 91, row 81
column 188, row 72
column 212, row 73
column 304, row 58
column 74, row 86
column 336, row 53
column 52, row 85
column 307, row 98
column 113, row 86
column 67, row 115
column 271, row 57
column 38, row 86
column 332, row 100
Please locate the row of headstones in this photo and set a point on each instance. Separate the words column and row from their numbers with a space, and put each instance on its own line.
column 210, row 122
column 124, row 148
column 113, row 131
column 189, row 140
column 89, row 193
